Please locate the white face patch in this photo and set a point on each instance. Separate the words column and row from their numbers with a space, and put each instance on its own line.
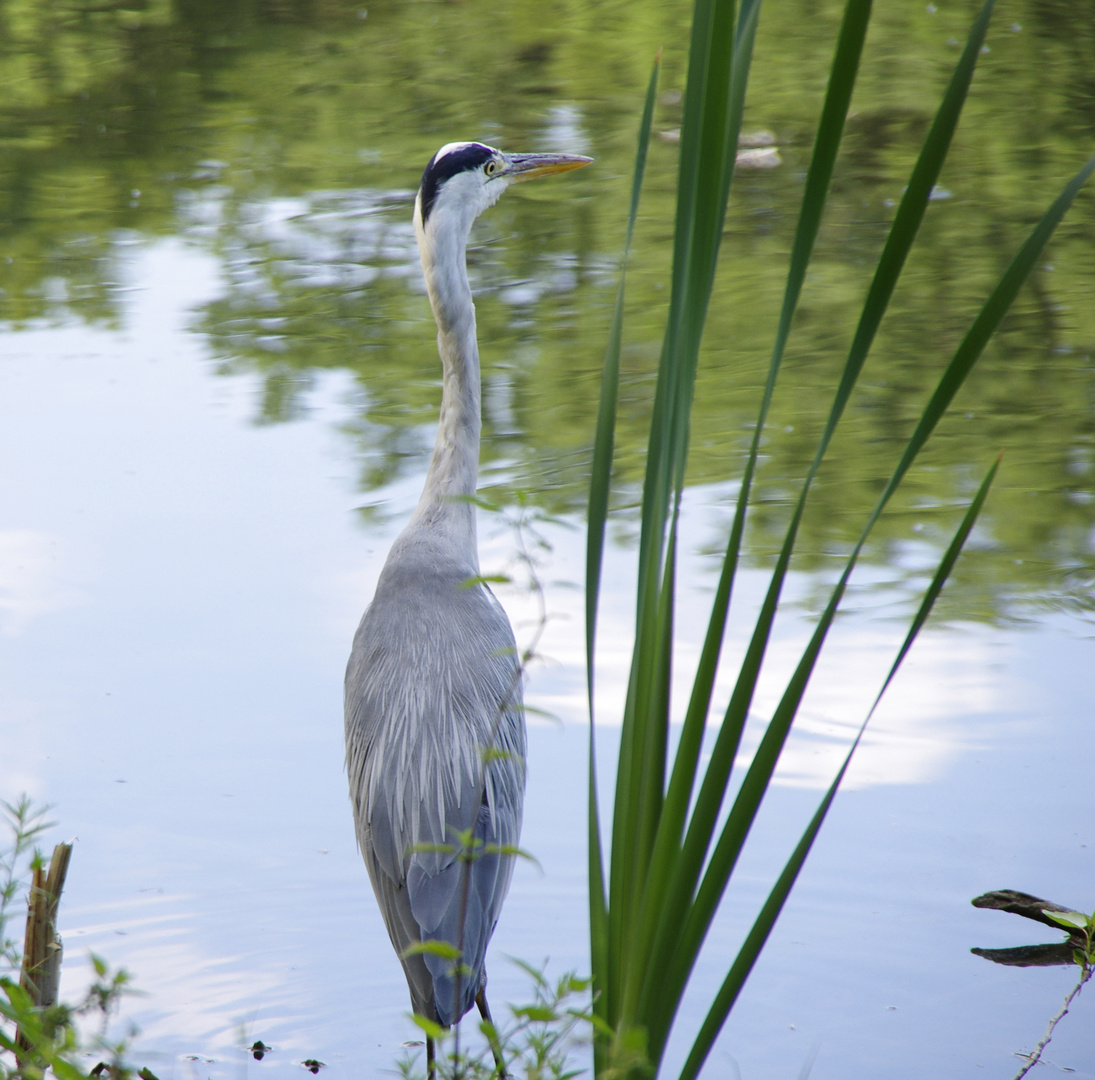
column 457, row 167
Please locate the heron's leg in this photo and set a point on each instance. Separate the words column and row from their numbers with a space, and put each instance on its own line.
column 495, row 1045
column 431, row 1066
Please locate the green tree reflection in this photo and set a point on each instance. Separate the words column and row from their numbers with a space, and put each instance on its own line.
column 285, row 138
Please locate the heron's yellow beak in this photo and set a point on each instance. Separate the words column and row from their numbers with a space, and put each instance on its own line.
column 520, row 167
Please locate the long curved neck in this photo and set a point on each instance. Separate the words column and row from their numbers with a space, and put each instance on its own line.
column 454, row 465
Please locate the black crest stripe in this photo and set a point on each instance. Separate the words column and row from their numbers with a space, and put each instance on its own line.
column 438, row 171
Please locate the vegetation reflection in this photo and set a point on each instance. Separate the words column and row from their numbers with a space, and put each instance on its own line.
column 284, row 138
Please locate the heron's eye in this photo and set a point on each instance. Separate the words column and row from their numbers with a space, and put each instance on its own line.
column 492, row 168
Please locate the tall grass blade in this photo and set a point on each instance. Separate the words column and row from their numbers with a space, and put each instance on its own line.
column 708, row 150
column 680, row 786
column 674, row 888
column 943, row 571
column 754, row 785
column 600, row 482
column 670, row 862
column 604, row 439
column 762, row 927
column 907, row 221
column 900, row 239
column 988, row 319
column 722, row 126
column 706, row 163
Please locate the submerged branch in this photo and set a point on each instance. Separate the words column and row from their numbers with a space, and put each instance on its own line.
column 1033, row 1058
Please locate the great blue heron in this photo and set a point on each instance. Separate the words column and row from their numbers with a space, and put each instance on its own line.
column 435, row 737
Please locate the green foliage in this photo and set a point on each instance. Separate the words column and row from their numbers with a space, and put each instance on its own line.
column 26, row 825
column 537, row 1043
column 445, row 949
column 1081, row 927
column 672, row 852
column 51, row 1039
column 1081, row 930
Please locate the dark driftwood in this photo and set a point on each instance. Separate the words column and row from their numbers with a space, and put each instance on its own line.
column 42, row 945
column 1030, row 907
column 1020, row 903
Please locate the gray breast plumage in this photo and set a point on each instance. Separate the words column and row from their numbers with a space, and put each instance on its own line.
column 435, row 745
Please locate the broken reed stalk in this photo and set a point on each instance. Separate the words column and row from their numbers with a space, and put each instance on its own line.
column 42, row 947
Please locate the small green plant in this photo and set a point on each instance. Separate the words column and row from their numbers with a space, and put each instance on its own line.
column 1081, row 929
column 537, row 1043
column 26, row 825
column 37, row 1038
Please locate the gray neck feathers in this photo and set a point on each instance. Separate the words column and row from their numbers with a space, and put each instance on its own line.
column 444, row 507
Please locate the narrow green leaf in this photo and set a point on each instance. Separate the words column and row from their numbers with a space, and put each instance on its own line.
column 432, row 1030
column 656, row 727
column 445, row 949
column 758, row 935
column 601, row 472
column 486, row 579
column 512, row 850
column 535, row 710
column 66, row 1070
column 535, row 974
column 754, row 942
column 626, row 876
column 987, row 322
column 1070, row 920
column 906, row 224
column 598, row 515
column 706, row 163
column 536, row 1013
column 674, row 888
column 931, row 594
column 707, row 154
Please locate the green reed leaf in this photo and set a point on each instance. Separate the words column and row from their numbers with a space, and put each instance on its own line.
column 762, row 927
column 598, row 513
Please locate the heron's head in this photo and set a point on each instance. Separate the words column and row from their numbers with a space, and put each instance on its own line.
column 464, row 178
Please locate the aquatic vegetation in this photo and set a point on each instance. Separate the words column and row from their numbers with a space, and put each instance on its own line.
column 537, row 1042
column 37, row 1032
column 656, row 884
column 1078, row 948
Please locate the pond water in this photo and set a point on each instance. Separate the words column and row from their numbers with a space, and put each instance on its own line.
column 218, row 385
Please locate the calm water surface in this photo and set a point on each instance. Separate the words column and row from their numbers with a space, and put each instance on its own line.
column 217, row 390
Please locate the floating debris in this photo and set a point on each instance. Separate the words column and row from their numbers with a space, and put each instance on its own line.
column 752, row 140
column 747, row 140
column 1030, row 907
column 756, row 149
column 759, row 158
